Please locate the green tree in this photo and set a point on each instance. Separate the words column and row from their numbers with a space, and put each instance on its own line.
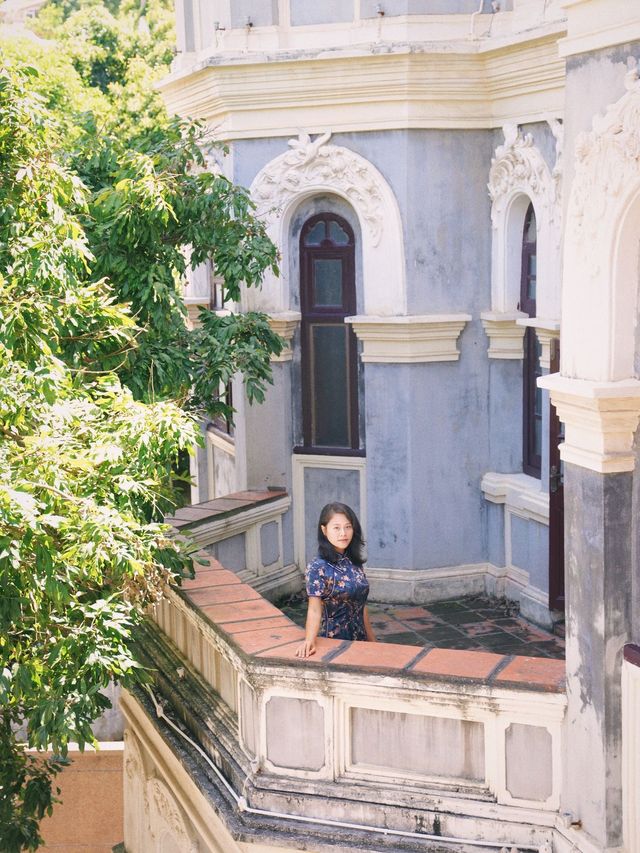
column 150, row 203
column 95, row 233
column 154, row 209
column 85, row 471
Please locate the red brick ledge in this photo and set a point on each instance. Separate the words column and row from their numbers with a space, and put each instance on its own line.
column 195, row 514
column 258, row 628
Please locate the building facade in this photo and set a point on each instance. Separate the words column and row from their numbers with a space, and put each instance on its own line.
column 430, row 134
column 454, row 188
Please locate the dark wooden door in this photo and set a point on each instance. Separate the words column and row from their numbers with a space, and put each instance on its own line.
column 556, row 498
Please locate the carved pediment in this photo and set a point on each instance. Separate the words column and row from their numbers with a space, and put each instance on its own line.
column 519, row 165
column 165, row 816
column 313, row 165
column 607, row 161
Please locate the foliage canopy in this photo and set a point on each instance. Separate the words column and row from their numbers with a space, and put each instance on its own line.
column 105, row 202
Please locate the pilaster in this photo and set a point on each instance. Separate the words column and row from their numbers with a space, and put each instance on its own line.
column 598, row 549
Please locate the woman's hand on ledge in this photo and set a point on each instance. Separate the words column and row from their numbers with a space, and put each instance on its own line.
column 306, row 649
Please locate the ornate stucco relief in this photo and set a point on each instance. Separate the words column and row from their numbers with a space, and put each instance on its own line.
column 313, row 162
column 606, row 166
column 518, row 165
column 601, row 242
column 598, row 396
column 151, row 811
column 165, row 817
column 313, row 167
column 518, row 175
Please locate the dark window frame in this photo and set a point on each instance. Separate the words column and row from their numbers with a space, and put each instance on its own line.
column 315, row 315
column 531, row 458
column 221, row 422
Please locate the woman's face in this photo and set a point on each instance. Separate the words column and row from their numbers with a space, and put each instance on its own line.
column 339, row 532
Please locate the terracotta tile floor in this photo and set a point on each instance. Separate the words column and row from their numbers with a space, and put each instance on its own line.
column 476, row 622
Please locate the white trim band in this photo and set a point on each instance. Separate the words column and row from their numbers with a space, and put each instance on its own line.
column 521, row 494
column 409, row 340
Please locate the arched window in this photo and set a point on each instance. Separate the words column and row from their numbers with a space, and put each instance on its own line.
column 329, row 353
column 532, row 395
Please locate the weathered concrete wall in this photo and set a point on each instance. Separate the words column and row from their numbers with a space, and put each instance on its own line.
column 231, row 552
column 529, row 550
column 322, row 485
column 267, row 433
column 529, row 761
column 598, row 614
column 430, row 431
column 431, row 746
column 505, row 413
column 269, row 543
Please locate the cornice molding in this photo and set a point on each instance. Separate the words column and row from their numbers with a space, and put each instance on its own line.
column 600, row 421
column 285, row 325
column 597, row 24
column 409, row 86
column 504, row 333
column 411, row 339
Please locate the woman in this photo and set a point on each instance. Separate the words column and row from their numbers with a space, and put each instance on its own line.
column 336, row 583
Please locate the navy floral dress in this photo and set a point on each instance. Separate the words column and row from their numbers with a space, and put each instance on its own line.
column 343, row 588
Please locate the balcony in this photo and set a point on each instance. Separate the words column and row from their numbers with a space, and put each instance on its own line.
column 395, row 746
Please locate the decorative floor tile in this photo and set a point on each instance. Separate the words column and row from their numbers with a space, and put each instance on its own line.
column 473, row 623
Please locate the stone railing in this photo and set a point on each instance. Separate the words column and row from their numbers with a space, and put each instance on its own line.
column 362, row 740
column 245, row 532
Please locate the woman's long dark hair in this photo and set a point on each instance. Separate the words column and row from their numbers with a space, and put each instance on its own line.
column 355, row 550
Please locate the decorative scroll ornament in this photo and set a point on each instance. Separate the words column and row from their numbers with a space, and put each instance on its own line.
column 518, row 164
column 557, row 129
column 607, row 162
column 312, row 165
column 165, row 817
column 133, row 763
